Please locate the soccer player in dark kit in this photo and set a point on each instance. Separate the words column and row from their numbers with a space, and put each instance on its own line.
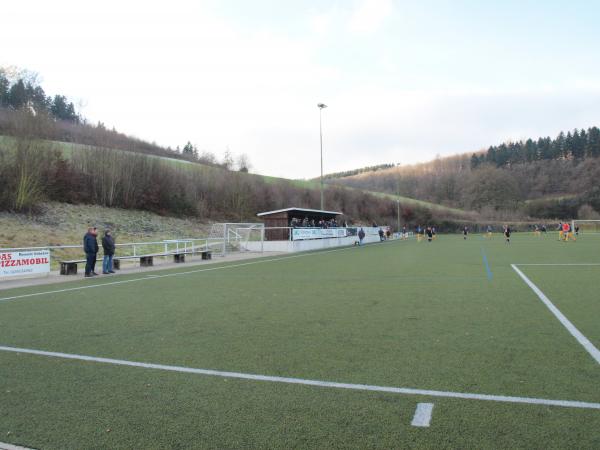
column 507, row 233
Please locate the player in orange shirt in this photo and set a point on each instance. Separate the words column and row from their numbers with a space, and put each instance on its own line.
column 566, row 228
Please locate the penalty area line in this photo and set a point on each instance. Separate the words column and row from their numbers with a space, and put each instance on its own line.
column 308, row 382
column 585, row 342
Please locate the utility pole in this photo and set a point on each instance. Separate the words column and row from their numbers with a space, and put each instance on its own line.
column 398, row 200
column 321, row 107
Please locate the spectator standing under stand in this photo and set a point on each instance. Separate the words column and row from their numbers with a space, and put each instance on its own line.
column 108, row 245
column 381, row 237
column 90, row 247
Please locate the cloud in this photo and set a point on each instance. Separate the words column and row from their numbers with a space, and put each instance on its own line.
column 369, row 125
column 369, row 15
column 320, row 22
column 188, row 72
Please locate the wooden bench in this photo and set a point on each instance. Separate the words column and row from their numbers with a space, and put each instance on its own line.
column 178, row 257
column 206, row 254
column 70, row 267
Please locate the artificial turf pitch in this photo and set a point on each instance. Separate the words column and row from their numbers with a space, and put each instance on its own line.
column 447, row 316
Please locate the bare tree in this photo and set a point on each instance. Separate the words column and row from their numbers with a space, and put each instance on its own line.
column 228, row 159
column 243, row 163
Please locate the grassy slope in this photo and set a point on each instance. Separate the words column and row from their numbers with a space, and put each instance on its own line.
column 61, row 223
column 423, row 204
column 399, row 314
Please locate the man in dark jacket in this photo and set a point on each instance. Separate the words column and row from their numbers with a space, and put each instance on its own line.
column 108, row 245
column 361, row 236
column 90, row 247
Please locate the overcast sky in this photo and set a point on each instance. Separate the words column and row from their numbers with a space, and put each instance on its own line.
column 404, row 81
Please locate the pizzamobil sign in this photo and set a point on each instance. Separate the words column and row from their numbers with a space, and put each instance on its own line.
column 28, row 262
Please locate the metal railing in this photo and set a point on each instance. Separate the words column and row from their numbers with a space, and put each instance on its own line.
column 166, row 247
column 235, row 238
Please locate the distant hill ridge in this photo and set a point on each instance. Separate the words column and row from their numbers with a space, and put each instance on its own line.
column 540, row 178
column 578, row 144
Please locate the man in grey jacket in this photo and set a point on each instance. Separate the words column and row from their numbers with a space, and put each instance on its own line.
column 108, row 245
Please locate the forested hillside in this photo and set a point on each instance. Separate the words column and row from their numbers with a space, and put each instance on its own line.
column 575, row 145
column 549, row 178
column 50, row 152
column 34, row 171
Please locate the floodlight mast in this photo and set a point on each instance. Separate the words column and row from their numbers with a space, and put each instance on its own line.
column 321, row 107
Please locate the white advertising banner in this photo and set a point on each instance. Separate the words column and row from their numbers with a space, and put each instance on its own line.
column 28, row 262
column 373, row 231
column 369, row 231
column 317, row 233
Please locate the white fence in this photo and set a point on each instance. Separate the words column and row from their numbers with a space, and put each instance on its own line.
column 223, row 239
column 167, row 247
column 313, row 238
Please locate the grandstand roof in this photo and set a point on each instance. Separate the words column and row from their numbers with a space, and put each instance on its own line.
column 301, row 210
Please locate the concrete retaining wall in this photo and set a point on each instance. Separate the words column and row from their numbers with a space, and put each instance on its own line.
column 306, row 245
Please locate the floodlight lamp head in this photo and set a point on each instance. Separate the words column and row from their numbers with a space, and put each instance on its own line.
column 322, row 105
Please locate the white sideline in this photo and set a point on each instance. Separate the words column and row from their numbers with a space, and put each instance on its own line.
column 585, row 342
column 307, row 382
column 559, row 264
column 422, row 416
column 4, row 446
column 149, row 277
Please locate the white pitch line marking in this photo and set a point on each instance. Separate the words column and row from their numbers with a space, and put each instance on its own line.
column 4, row 446
column 585, row 342
column 422, row 416
column 558, row 264
column 149, row 277
column 307, row 382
